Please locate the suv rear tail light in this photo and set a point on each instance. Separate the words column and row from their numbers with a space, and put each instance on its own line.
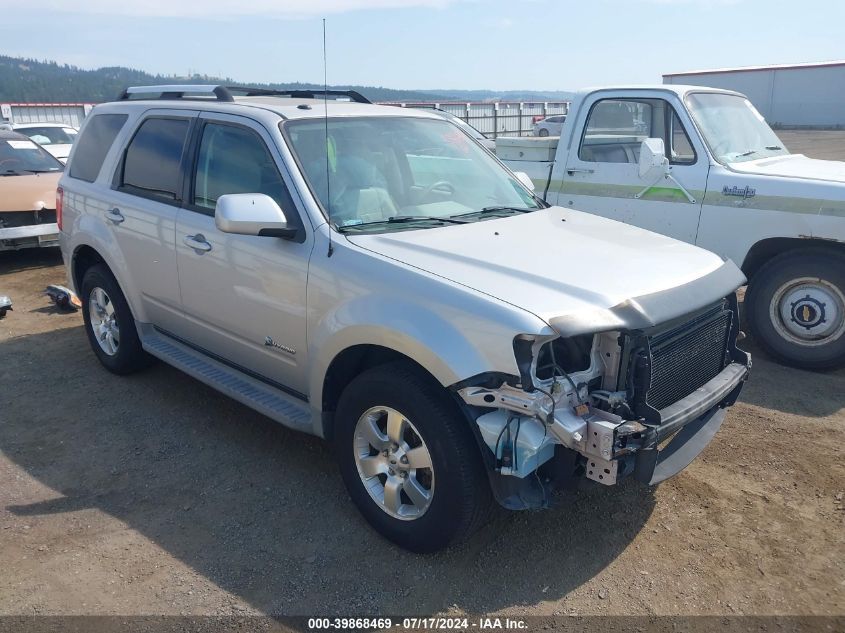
column 60, row 194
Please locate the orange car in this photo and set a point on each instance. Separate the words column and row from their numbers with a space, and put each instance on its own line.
column 29, row 176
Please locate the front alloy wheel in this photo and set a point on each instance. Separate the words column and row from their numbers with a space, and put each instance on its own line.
column 409, row 459
column 394, row 463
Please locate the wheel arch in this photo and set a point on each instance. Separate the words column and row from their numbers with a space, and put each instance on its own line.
column 84, row 257
column 767, row 249
column 348, row 364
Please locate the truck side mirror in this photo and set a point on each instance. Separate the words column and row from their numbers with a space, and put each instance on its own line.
column 251, row 214
column 525, row 179
column 653, row 157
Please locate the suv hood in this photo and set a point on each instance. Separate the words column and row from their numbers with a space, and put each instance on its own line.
column 576, row 271
column 29, row 192
column 794, row 166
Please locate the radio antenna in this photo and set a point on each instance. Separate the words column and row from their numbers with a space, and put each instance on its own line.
column 326, row 129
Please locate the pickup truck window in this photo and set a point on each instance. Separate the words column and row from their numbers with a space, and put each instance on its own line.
column 92, row 147
column 617, row 127
column 234, row 159
column 732, row 127
column 383, row 168
column 151, row 166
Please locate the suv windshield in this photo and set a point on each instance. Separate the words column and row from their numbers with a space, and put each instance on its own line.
column 392, row 173
column 22, row 156
column 733, row 128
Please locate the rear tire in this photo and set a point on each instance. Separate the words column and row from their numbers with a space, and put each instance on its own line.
column 543, row 132
column 796, row 309
column 109, row 323
column 429, row 489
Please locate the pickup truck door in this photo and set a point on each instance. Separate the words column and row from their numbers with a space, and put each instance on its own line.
column 243, row 296
column 601, row 173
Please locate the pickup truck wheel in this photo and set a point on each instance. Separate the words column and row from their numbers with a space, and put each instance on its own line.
column 796, row 309
column 109, row 323
column 409, row 460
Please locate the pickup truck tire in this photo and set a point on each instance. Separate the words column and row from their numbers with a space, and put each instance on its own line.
column 109, row 323
column 450, row 496
column 796, row 308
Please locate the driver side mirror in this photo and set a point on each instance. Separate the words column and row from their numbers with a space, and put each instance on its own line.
column 251, row 214
column 653, row 157
column 525, row 179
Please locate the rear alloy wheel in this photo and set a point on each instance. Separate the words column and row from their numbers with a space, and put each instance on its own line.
column 796, row 309
column 109, row 323
column 409, row 460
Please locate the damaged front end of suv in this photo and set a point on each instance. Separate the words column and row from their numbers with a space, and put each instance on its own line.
column 637, row 390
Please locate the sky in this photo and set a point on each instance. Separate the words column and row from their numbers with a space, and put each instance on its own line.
column 426, row 44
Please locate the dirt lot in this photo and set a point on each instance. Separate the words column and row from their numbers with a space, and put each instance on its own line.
column 153, row 494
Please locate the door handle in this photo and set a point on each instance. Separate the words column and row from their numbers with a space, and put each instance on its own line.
column 114, row 216
column 197, row 242
column 580, row 171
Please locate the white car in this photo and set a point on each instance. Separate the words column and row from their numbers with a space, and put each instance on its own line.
column 372, row 275
column 550, row 126
column 56, row 138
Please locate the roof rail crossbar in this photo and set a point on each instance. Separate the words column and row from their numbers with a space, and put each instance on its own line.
column 177, row 92
column 352, row 95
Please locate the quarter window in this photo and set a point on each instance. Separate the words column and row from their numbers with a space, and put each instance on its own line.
column 151, row 166
column 234, row 159
column 94, row 144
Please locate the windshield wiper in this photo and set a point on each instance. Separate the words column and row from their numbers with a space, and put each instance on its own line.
column 494, row 209
column 773, row 147
column 17, row 172
column 749, row 152
column 403, row 219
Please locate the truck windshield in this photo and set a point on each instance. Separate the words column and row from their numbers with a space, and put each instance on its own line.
column 399, row 173
column 733, row 128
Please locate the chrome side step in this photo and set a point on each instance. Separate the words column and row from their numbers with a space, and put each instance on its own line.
column 267, row 400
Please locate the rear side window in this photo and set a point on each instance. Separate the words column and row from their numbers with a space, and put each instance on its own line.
column 151, row 166
column 94, row 144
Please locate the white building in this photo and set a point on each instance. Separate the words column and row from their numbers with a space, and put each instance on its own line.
column 68, row 113
column 792, row 95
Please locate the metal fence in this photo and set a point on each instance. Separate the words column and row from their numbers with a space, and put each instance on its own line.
column 502, row 118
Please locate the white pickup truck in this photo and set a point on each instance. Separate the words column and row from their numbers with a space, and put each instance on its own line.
column 702, row 165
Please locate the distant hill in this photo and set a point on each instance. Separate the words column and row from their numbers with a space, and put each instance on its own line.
column 29, row 80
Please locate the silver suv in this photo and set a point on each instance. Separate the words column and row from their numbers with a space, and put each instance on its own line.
column 373, row 276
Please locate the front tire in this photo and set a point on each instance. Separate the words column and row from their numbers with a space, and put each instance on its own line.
column 109, row 323
column 409, row 459
column 543, row 132
column 796, row 309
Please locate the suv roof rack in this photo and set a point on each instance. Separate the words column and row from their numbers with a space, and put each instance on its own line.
column 308, row 93
column 224, row 93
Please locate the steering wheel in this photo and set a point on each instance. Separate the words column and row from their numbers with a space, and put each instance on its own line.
column 13, row 160
column 440, row 185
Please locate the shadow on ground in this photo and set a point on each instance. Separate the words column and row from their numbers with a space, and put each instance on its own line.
column 789, row 390
column 29, row 259
column 260, row 510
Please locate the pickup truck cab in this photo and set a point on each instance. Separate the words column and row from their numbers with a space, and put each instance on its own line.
column 374, row 276
column 701, row 165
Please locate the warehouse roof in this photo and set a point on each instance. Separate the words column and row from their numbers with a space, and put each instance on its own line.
column 743, row 69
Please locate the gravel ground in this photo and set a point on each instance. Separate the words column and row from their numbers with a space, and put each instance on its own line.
column 153, row 494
